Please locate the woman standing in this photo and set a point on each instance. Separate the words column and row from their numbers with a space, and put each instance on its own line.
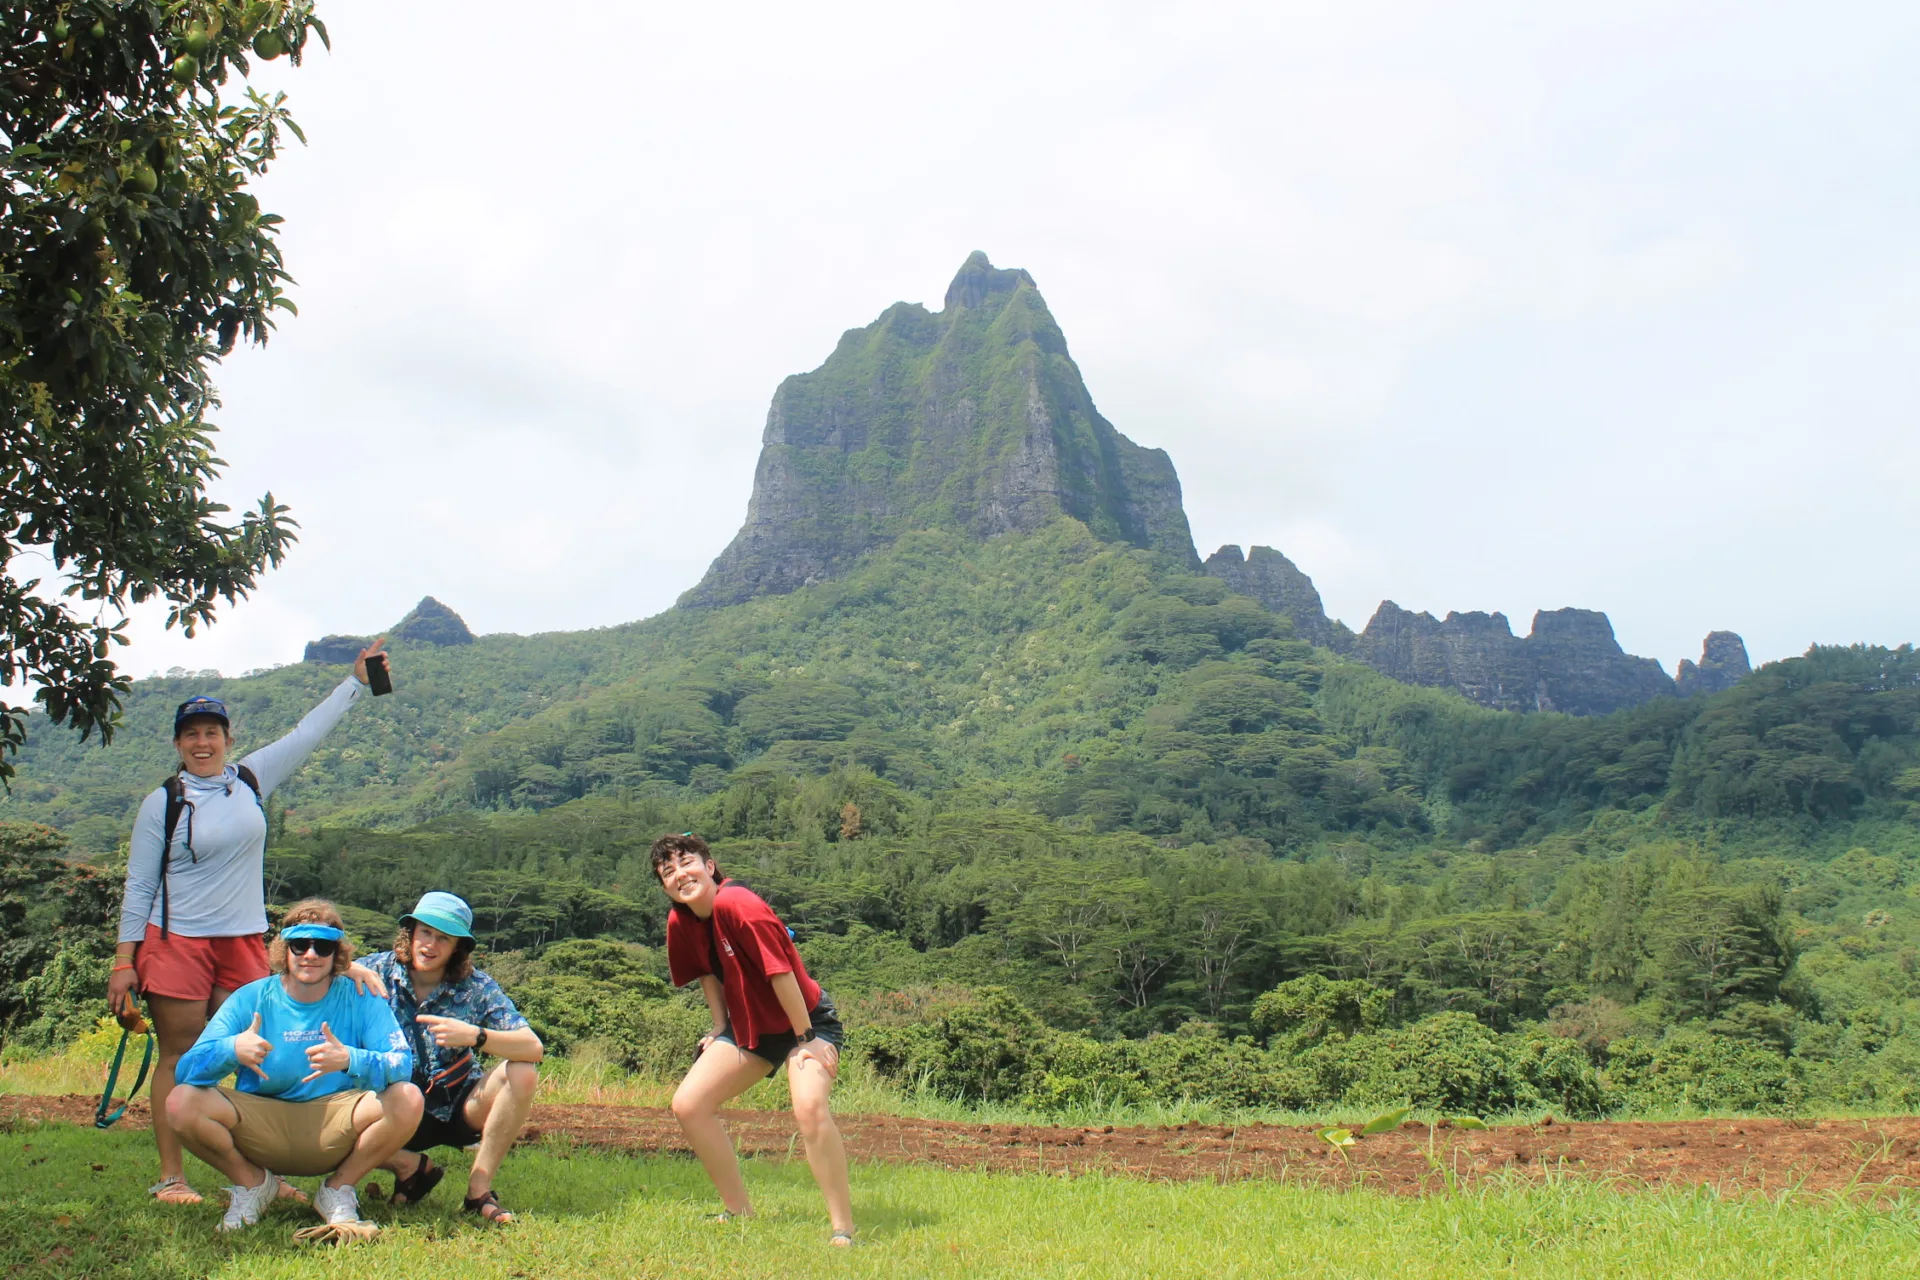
column 766, row 1012
column 195, row 906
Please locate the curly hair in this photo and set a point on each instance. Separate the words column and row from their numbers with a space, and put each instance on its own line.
column 459, row 968
column 310, row 911
column 667, row 848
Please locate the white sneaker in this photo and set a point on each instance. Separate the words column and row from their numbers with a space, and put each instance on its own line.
column 246, row 1204
column 337, row 1204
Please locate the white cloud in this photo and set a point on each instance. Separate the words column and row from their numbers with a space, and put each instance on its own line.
column 1510, row 306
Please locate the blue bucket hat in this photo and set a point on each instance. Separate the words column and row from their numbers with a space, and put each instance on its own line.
column 199, row 705
column 442, row 911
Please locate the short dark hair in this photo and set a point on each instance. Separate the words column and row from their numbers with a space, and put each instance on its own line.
column 667, row 848
column 459, row 968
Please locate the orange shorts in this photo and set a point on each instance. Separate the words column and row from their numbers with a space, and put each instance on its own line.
column 191, row 968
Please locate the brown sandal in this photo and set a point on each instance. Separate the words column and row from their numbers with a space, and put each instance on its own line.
column 413, row 1188
column 487, row 1205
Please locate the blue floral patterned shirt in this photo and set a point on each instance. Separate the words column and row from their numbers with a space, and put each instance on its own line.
column 477, row 998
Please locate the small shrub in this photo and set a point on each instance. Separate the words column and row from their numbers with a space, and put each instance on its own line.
column 1690, row 1068
column 1452, row 1062
column 989, row 1048
column 1309, row 1009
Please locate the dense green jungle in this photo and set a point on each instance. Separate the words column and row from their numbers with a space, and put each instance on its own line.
column 1065, row 821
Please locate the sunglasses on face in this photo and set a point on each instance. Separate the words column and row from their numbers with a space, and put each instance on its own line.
column 319, row 946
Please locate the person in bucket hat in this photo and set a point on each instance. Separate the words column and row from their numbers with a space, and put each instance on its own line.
column 452, row 1014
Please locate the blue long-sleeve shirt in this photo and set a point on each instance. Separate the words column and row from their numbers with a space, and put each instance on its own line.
column 376, row 1048
column 215, row 890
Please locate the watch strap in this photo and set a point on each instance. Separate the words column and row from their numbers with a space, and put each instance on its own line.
column 805, row 1036
column 480, row 1041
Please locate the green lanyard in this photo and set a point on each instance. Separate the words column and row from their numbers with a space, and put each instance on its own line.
column 101, row 1118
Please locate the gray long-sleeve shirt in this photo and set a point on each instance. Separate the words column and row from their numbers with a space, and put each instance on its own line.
column 216, row 890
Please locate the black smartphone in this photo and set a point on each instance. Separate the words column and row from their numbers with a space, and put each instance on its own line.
column 377, row 677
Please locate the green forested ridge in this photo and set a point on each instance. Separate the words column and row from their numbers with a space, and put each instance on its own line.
column 1062, row 819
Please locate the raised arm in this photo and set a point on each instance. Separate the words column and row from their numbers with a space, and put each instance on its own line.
column 274, row 763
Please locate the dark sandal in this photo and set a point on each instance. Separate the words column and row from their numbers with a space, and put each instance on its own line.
column 487, row 1205
column 414, row 1189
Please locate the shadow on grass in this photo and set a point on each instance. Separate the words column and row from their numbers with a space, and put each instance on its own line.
column 883, row 1219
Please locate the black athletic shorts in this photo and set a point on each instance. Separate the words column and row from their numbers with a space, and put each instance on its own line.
column 775, row 1048
column 454, row 1132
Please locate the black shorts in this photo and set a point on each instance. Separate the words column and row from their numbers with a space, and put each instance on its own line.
column 453, row 1132
column 774, row 1048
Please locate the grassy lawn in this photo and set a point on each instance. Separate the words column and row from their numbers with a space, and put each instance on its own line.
column 73, row 1203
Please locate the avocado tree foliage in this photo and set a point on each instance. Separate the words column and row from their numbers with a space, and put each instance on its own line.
column 132, row 257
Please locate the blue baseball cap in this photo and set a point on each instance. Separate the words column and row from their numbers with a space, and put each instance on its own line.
column 199, row 705
column 442, row 911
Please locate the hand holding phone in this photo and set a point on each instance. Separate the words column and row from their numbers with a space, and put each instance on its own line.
column 371, row 668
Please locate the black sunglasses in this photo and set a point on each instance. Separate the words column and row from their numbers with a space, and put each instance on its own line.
column 319, row 946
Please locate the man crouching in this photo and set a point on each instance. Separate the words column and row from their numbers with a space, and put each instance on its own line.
column 451, row 1014
column 324, row 1078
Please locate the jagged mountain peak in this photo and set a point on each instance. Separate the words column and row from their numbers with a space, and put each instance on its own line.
column 978, row 280
column 1723, row 664
column 973, row 418
column 428, row 622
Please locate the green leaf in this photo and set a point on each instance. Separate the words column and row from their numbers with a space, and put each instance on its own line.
column 1339, row 1138
column 1466, row 1122
column 1384, row 1121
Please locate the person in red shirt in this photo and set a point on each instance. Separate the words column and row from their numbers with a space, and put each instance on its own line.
column 766, row 1011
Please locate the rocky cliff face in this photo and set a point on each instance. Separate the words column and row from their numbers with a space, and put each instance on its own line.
column 1277, row 583
column 1723, row 664
column 1569, row 662
column 973, row 418
column 1581, row 669
column 1475, row 654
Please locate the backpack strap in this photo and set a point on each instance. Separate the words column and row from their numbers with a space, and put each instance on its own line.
column 178, row 804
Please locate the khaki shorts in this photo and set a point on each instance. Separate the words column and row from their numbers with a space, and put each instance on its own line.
column 303, row 1138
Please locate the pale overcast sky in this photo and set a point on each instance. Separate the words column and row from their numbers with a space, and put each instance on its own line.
column 1490, row 306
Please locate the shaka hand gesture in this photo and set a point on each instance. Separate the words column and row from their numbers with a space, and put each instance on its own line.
column 328, row 1055
column 250, row 1048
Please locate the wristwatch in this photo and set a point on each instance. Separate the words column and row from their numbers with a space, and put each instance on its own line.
column 804, row 1036
column 480, row 1041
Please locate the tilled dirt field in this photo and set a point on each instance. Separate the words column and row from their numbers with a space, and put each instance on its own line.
column 1857, row 1156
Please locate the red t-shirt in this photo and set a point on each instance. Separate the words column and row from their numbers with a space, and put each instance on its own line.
column 753, row 946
